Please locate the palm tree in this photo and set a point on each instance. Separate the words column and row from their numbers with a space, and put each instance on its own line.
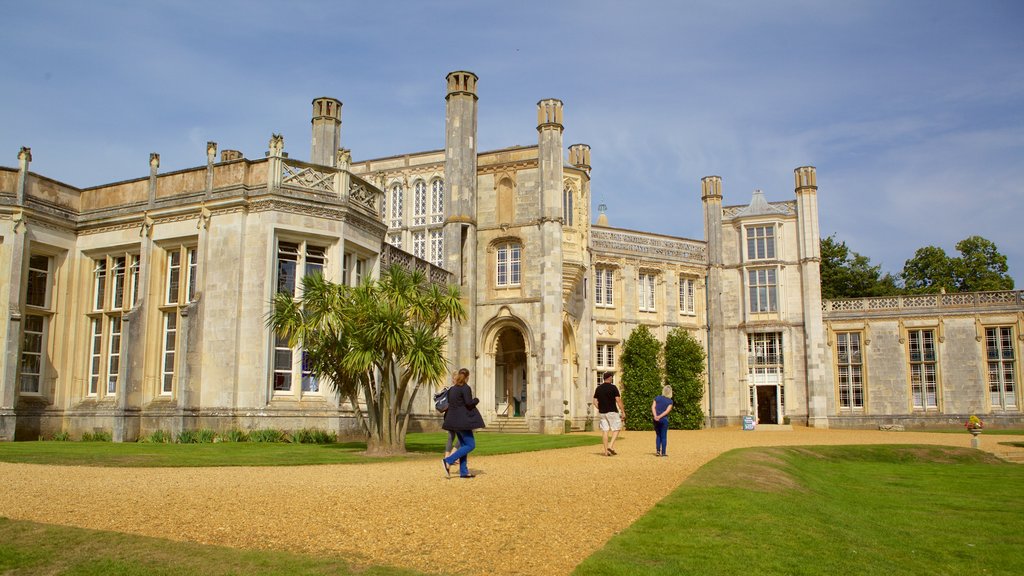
column 378, row 343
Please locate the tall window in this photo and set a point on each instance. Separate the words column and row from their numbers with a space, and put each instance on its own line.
column 419, row 203
column 437, row 201
column 765, row 365
column 419, row 244
column 761, row 242
column 923, row 382
column 686, row 289
column 397, row 198
column 567, row 210
column 605, row 356
column 295, row 260
column 507, row 273
column 179, row 290
column 437, row 248
column 35, row 324
column 354, row 269
column 1002, row 380
column 604, row 292
column 851, row 371
column 115, row 289
column 763, row 290
column 645, row 292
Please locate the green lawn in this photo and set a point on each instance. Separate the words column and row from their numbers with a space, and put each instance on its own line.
column 886, row 510
column 131, row 454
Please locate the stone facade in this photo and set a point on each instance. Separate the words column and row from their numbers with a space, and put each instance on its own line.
column 140, row 305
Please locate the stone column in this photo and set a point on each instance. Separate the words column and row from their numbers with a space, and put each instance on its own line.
column 13, row 243
column 326, row 132
column 711, row 196
column 548, row 407
column 460, row 181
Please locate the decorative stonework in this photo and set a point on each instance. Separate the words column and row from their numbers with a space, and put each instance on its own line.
column 642, row 245
column 306, row 177
column 786, row 208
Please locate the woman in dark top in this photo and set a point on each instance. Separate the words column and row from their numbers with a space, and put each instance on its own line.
column 462, row 418
column 660, row 408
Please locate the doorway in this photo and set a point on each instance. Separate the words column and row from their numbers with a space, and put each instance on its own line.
column 768, row 404
column 510, row 374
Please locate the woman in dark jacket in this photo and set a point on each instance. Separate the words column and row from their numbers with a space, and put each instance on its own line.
column 462, row 418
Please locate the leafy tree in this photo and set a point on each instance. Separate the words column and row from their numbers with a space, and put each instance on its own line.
column 641, row 377
column 684, row 366
column 377, row 343
column 980, row 266
column 847, row 274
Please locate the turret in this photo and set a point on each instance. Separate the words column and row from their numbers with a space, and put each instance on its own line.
column 579, row 156
column 326, row 131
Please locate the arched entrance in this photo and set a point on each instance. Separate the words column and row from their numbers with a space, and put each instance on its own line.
column 510, row 398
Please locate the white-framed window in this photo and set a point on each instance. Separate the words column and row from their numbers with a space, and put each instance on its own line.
column 924, row 388
column 115, row 290
column 395, row 240
column 686, row 291
column 354, row 267
column 437, row 248
column 397, row 206
column 296, row 259
column 419, row 203
column 761, row 242
column 567, row 207
column 437, row 201
column 605, row 356
column 35, row 324
column 508, row 262
column 765, row 365
column 645, row 292
column 419, row 244
column 763, row 290
column 850, row 369
column 604, row 287
column 1002, row 377
column 179, row 290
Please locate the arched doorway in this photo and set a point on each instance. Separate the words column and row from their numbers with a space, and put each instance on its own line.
column 510, row 398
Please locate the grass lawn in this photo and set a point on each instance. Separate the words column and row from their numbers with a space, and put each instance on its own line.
column 131, row 454
column 886, row 510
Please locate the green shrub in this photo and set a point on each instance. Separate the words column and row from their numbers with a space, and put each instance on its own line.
column 205, row 436
column 98, row 436
column 268, row 435
column 684, row 368
column 314, row 436
column 235, row 435
column 61, row 437
column 156, row 437
column 641, row 377
column 187, row 437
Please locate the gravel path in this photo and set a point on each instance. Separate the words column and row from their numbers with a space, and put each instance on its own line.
column 534, row 513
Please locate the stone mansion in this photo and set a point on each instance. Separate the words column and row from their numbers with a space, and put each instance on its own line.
column 140, row 305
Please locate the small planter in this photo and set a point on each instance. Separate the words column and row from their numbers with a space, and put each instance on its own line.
column 974, row 431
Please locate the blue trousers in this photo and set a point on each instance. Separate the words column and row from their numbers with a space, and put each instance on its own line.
column 660, row 435
column 466, row 445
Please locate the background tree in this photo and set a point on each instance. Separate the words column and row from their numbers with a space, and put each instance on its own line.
column 929, row 271
column 980, row 266
column 684, row 366
column 847, row 274
column 379, row 342
column 641, row 377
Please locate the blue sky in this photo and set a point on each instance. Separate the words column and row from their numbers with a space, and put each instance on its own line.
column 912, row 111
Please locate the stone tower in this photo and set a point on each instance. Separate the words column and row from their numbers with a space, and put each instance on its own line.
column 460, row 207
column 551, row 172
column 819, row 371
column 326, row 131
column 711, row 196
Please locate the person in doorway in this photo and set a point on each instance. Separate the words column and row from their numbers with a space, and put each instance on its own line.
column 660, row 408
column 611, row 412
column 462, row 418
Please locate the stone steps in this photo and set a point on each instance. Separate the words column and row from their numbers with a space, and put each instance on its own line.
column 509, row 425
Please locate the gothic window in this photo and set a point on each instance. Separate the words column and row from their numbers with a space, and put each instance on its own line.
column 604, row 291
column 395, row 240
column 850, row 369
column 437, row 201
column 179, row 290
column 397, row 198
column 1002, row 379
column 291, row 374
column 419, row 204
column 36, row 321
column 761, row 242
column 924, row 389
column 763, row 290
column 437, row 248
column 567, row 208
column 508, row 260
column 419, row 244
column 686, row 290
column 115, row 288
column 645, row 292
